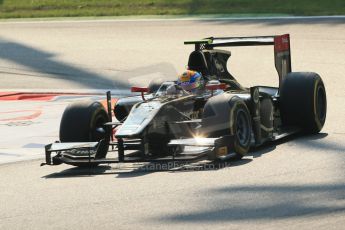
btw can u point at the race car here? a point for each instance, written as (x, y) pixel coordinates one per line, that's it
(223, 122)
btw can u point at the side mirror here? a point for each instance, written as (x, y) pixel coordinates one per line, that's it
(141, 90)
(136, 89)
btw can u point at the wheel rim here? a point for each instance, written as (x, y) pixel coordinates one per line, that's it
(242, 128)
(321, 103)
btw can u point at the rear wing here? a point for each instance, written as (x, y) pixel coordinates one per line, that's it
(281, 43)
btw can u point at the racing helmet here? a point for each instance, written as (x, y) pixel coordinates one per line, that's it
(190, 81)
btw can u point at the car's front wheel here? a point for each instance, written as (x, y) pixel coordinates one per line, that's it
(84, 122)
(228, 115)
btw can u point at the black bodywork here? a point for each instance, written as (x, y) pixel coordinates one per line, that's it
(158, 127)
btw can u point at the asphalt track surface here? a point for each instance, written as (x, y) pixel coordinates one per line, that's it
(296, 183)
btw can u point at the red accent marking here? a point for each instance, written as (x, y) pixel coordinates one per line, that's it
(136, 89)
(215, 87)
(34, 114)
(282, 43)
(114, 133)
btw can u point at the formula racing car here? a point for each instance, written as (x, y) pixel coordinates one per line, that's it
(223, 122)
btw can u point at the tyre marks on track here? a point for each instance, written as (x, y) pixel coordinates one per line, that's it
(20, 115)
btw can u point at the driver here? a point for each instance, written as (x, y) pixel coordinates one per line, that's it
(191, 81)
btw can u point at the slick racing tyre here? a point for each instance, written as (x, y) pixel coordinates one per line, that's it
(228, 115)
(240, 126)
(303, 101)
(83, 122)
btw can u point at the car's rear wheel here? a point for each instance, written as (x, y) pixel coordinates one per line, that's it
(303, 101)
(84, 122)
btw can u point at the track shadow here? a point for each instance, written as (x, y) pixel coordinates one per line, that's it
(266, 202)
(79, 172)
(272, 202)
(43, 62)
(299, 138)
(316, 142)
(121, 170)
(127, 170)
